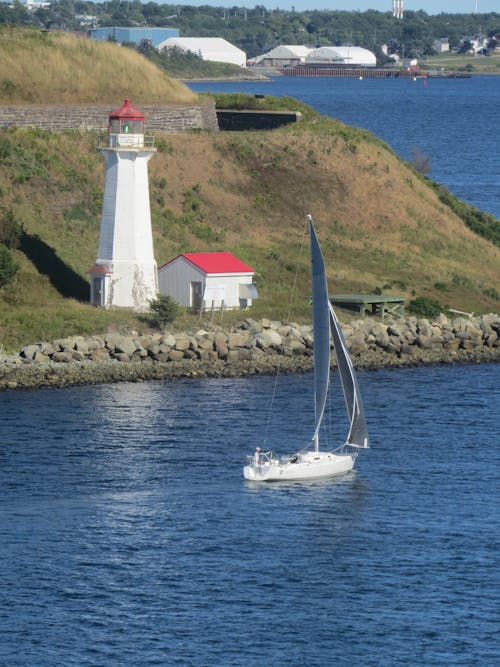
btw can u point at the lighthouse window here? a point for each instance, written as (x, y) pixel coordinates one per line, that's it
(137, 126)
(115, 126)
(126, 127)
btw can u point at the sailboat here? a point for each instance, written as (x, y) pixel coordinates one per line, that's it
(312, 462)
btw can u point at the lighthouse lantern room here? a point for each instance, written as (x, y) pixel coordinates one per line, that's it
(125, 273)
(126, 127)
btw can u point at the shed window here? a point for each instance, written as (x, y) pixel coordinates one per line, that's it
(248, 291)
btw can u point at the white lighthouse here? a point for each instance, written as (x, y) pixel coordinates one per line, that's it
(125, 273)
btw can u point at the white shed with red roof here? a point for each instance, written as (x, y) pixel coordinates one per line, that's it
(208, 280)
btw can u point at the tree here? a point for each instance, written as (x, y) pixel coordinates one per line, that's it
(466, 46)
(10, 230)
(163, 310)
(420, 161)
(424, 306)
(8, 267)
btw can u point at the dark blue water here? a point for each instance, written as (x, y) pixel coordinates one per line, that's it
(453, 121)
(128, 536)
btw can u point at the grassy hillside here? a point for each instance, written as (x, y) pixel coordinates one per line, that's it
(464, 62)
(41, 67)
(381, 225)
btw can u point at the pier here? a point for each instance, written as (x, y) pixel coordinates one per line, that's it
(348, 72)
(372, 304)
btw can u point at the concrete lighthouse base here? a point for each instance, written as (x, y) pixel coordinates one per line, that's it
(125, 284)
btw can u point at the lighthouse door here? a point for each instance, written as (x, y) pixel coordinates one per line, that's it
(98, 290)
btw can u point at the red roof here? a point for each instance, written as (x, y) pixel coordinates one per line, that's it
(99, 268)
(127, 111)
(216, 262)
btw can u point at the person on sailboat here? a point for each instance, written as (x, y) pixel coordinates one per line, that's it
(257, 456)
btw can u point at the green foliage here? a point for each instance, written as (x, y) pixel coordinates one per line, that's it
(8, 267)
(425, 307)
(420, 161)
(7, 86)
(192, 218)
(480, 223)
(188, 65)
(492, 293)
(264, 103)
(23, 162)
(163, 146)
(164, 310)
(10, 229)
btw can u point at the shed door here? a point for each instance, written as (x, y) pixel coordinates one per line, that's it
(196, 295)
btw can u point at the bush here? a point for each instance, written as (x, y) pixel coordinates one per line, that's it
(163, 310)
(420, 161)
(426, 307)
(8, 267)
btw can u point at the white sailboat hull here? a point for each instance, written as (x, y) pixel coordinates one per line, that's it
(309, 465)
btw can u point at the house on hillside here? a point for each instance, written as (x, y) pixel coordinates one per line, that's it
(33, 5)
(204, 280)
(475, 45)
(441, 45)
(214, 49)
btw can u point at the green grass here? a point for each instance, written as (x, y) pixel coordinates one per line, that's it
(461, 62)
(181, 65)
(483, 224)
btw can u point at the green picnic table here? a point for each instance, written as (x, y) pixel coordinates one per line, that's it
(373, 304)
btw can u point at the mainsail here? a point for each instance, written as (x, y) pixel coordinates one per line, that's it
(324, 322)
(321, 328)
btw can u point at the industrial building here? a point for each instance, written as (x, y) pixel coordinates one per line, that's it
(208, 48)
(286, 55)
(293, 56)
(133, 35)
(341, 55)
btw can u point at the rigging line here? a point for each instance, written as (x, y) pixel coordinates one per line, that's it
(288, 316)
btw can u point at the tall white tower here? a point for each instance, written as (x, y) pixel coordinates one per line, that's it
(397, 9)
(125, 273)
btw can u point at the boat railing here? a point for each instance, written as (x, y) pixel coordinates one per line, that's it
(265, 459)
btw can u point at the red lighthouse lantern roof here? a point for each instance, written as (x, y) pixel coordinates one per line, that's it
(127, 111)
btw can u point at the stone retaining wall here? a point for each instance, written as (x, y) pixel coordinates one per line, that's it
(159, 117)
(251, 347)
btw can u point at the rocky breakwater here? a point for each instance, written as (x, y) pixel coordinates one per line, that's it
(249, 348)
